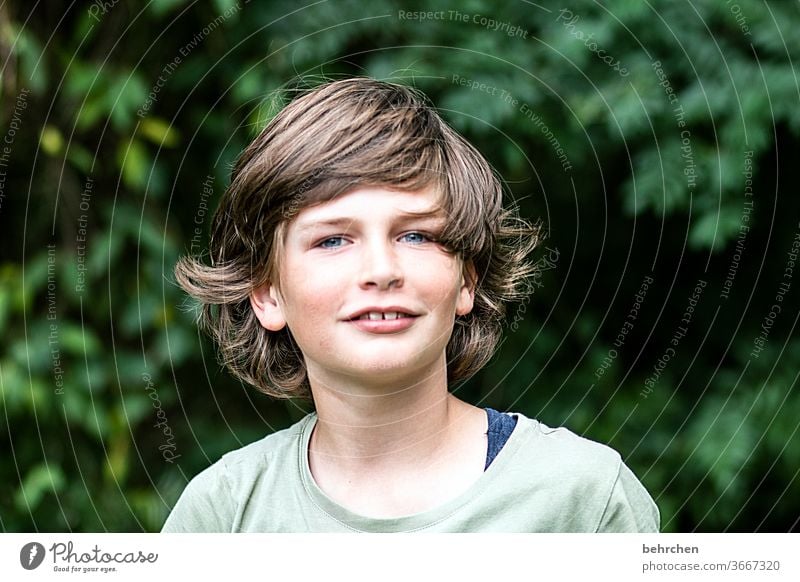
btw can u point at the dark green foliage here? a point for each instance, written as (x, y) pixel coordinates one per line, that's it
(121, 116)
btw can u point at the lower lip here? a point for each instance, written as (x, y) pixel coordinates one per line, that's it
(383, 325)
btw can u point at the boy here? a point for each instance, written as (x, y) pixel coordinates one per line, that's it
(362, 260)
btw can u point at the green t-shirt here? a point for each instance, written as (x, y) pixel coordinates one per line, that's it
(543, 480)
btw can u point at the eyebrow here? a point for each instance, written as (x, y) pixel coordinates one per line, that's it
(405, 216)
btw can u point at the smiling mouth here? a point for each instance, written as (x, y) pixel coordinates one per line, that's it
(378, 316)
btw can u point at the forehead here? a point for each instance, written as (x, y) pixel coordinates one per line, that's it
(372, 204)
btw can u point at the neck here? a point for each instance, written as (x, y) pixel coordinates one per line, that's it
(396, 425)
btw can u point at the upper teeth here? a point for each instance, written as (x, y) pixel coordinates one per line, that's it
(379, 315)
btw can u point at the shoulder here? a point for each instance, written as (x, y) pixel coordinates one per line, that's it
(251, 459)
(574, 456)
(213, 499)
(588, 479)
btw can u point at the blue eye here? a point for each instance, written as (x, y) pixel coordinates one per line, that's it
(324, 246)
(427, 238)
(423, 238)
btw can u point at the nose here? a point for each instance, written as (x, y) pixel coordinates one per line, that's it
(380, 266)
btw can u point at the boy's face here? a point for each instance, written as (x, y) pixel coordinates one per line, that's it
(375, 257)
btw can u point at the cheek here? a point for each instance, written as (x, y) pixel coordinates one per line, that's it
(442, 286)
(313, 299)
(304, 316)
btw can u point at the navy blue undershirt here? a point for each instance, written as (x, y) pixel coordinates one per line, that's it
(501, 426)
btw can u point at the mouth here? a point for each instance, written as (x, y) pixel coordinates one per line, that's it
(383, 322)
(382, 316)
(381, 313)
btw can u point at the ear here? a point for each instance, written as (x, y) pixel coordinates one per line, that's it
(266, 304)
(466, 296)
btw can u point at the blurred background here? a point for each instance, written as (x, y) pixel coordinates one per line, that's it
(658, 142)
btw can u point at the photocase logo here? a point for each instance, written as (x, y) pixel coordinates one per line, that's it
(31, 555)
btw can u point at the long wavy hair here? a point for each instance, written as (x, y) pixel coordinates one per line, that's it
(330, 140)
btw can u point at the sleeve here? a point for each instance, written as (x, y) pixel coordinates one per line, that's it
(630, 507)
(205, 506)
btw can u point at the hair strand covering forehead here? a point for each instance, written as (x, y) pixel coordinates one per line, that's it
(335, 138)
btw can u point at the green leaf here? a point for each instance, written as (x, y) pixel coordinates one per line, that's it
(78, 340)
(42, 479)
(51, 140)
(714, 229)
(159, 132)
(135, 163)
(32, 65)
(79, 157)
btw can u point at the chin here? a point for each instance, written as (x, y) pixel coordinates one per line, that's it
(394, 363)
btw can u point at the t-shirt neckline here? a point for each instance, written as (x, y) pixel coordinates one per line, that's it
(416, 521)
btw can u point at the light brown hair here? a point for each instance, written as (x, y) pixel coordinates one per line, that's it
(337, 137)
